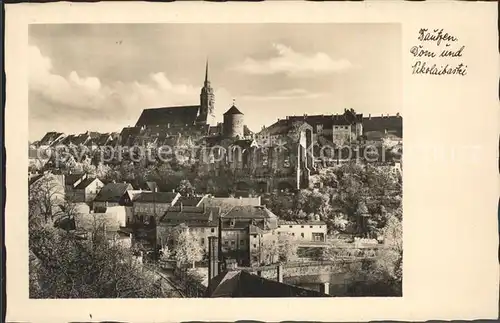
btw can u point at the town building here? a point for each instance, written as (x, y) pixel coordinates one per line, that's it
(303, 230)
(149, 204)
(112, 194)
(81, 188)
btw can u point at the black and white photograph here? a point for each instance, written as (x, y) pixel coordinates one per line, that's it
(213, 160)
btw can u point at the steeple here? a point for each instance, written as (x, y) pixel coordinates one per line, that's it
(207, 100)
(206, 72)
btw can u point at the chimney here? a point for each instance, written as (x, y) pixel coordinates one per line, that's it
(369, 116)
(219, 246)
(180, 207)
(204, 207)
(213, 259)
(324, 288)
(279, 273)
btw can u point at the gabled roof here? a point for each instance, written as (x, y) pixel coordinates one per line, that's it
(169, 115)
(86, 182)
(243, 284)
(112, 192)
(128, 135)
(71, 179)
(50, 137)
(192, 215)
(189, 200)
(158, 197)
(233, 110)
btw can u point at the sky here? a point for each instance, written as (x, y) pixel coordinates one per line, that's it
(99, 77)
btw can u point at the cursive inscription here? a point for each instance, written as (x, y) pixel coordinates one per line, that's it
(438, 53)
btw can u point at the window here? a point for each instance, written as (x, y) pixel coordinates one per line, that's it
(310, 226)
(254, 245)
(279, 226)
(212, 230)
(202, 241)
(254, 235)
(290, 226)
(302, 234)
(225, 242)
(302, 226)
(242, 242)
(293, 233)
(232, 242)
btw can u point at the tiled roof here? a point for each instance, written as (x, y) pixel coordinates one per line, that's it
(70, 179)
(247, 131)
(243, 284)
(192, 215)
(49, 138)
(112, 192)
(233, 110)
(189, 200)
(158, 197)
(86, 182)
(169, 115)
(128, 135)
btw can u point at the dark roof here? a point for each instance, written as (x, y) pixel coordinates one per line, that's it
(112, 192)
(189, 200)
(86, 182)
(49, 138)
(192, 215)
(247, 131)
(169, 115)
(158, 197)
(233, 110)
(70, 179)
(128, 135)
(392, 124)
(244, 284)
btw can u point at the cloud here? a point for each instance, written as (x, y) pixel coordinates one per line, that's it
(287, 94)
(80, 98)
(293, 63)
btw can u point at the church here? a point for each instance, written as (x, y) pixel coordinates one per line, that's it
(162, 126)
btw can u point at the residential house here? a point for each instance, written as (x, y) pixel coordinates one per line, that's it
(87, 189)
(112, 194)
(202, 222)
(304, 230)
(147, 204)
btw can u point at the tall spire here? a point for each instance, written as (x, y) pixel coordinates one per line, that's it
(206, 72)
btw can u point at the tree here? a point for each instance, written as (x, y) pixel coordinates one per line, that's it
(185, 188)
(44, 196)
(287, 247)
(65, 266)
(187, 249)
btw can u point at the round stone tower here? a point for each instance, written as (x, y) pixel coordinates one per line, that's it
(233, 123)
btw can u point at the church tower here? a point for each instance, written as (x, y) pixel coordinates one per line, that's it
(207, 100)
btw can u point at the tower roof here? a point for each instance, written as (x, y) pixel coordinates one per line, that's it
(233, 110)
(206, 72)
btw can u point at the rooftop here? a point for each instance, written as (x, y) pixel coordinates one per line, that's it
(158, 197)
(243, 284)
(112, 192)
